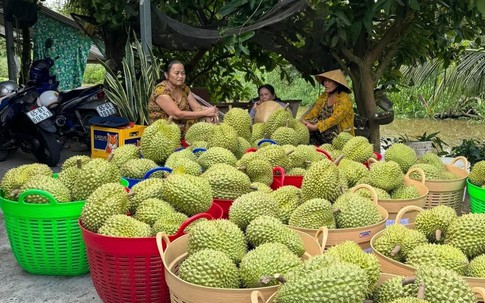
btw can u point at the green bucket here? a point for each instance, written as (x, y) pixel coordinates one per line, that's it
(477, 198)
(45, 238)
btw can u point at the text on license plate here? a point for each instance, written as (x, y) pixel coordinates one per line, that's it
(106, 109)
(39, 114)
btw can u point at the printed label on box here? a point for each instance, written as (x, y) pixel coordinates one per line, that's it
(364, 234)
(106, 141)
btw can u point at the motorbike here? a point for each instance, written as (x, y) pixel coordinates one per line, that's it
(72, 109)
(25, 125)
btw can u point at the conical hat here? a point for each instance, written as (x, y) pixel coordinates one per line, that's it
(334, 75)
(264, 110)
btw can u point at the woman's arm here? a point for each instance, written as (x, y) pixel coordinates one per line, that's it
(341, 109)
(170, 107)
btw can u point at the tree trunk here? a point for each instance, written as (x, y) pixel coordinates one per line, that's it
(114, 43)
(25, 60)
(363, 85)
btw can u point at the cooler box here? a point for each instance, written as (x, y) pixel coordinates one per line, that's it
(105, 139)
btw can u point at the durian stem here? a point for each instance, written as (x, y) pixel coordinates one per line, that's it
(335, 211)
(368, 301)
(421, 291)
(339, 158)
(408, 280)
(280, 278)
(242, 168)
(110, 156)
(131, 193)
(438, 234)
(170, 119)
(14, 193)
(396, 250)
(79, 163)
(252, 187)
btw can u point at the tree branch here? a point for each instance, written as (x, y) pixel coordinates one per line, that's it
(210, 65)
(389, 36)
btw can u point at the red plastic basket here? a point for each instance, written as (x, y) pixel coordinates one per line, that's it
(225, 205)
(130, 269)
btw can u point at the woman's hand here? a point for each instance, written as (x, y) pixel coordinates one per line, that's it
(311, 127)
(210, 111)
(257, 103)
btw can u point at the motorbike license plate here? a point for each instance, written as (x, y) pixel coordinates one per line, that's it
(106, 109)
(39, 114)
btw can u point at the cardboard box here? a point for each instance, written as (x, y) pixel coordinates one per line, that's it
(106, 139)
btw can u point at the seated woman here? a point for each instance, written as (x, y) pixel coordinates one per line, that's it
(266, 92)
(332, 113)
(172, 97)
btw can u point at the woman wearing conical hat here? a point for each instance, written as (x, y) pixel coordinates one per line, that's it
(333, 112)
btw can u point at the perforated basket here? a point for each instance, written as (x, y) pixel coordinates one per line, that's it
(45, 238)
(393, 206)
(130, 269)
(448, 192)
(392, 266)
(360, 235)
(477, 197)
(184, 292)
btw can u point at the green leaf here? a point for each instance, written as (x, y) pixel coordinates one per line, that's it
(355, 30)
(414, 4)
(334, 41)
(231, 7)
(246, 36)
(243, 49)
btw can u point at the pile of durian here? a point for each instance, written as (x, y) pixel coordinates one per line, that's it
(440, 239)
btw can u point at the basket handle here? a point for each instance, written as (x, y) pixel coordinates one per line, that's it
(465, 161)
(419, 170)
(323, 231)
(160, 168)
(267, 141)
(183, 226)
(43, 193)
(322, 151)
(160, 238)
(279, 174)
(479, 291)
(257, 297)
(199, 149)
(370, 188)
(404, 210)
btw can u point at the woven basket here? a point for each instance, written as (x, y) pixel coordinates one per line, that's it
(130, 269)
(45, 238)
(184, 292)
(258, 297)
(394, 206)
(448, 192)
(360, 235)
(391, 266)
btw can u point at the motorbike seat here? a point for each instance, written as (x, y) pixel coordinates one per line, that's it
(74, 93)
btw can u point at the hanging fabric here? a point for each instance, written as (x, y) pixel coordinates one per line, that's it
(69, 44)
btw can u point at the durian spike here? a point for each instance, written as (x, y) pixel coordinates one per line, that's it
(421, 291)
(338, 159)
(437, 234)
(396, 250)
(408, 280)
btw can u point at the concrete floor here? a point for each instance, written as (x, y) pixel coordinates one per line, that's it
(16, 284)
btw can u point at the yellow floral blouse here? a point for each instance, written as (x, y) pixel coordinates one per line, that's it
(342, 117)
(155, 112)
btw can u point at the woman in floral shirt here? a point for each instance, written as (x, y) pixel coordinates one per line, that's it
(333, 112)
(173, 98)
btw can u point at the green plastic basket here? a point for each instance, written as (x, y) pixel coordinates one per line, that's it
(45, 238)
(477, 198)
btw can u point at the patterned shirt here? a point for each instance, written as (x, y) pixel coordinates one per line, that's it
(342, 116)
(155, 112)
